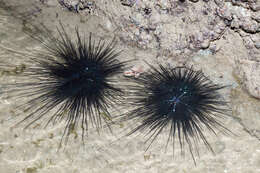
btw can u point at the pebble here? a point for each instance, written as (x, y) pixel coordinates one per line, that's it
(205, 44)
(194, 1)
(257, 45)
(250, 26)
(255, 6)
(256, 17)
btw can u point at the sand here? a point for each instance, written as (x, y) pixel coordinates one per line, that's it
(172, 36)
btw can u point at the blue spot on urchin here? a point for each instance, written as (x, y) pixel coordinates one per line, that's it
(180, 98)
(72, 81)
(176, 100)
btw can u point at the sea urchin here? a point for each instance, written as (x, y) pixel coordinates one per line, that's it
(180, 98)
(71, 80)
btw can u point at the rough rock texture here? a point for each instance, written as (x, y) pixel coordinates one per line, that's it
(179, 28)
(219, 37)
(249, 72)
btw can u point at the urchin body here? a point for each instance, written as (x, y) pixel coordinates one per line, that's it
(71, 80)
(182, 98)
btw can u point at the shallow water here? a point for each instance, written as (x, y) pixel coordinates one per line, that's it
(35, 149)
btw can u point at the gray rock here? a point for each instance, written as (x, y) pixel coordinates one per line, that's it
(255, 6)
(249, 71)
(205, 44)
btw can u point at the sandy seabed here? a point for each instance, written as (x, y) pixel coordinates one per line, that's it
(35, 150)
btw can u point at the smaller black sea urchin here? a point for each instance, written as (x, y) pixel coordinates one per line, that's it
(182, 99)
(71, 80)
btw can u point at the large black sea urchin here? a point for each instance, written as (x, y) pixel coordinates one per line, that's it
(182, 99)
(71, 80)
